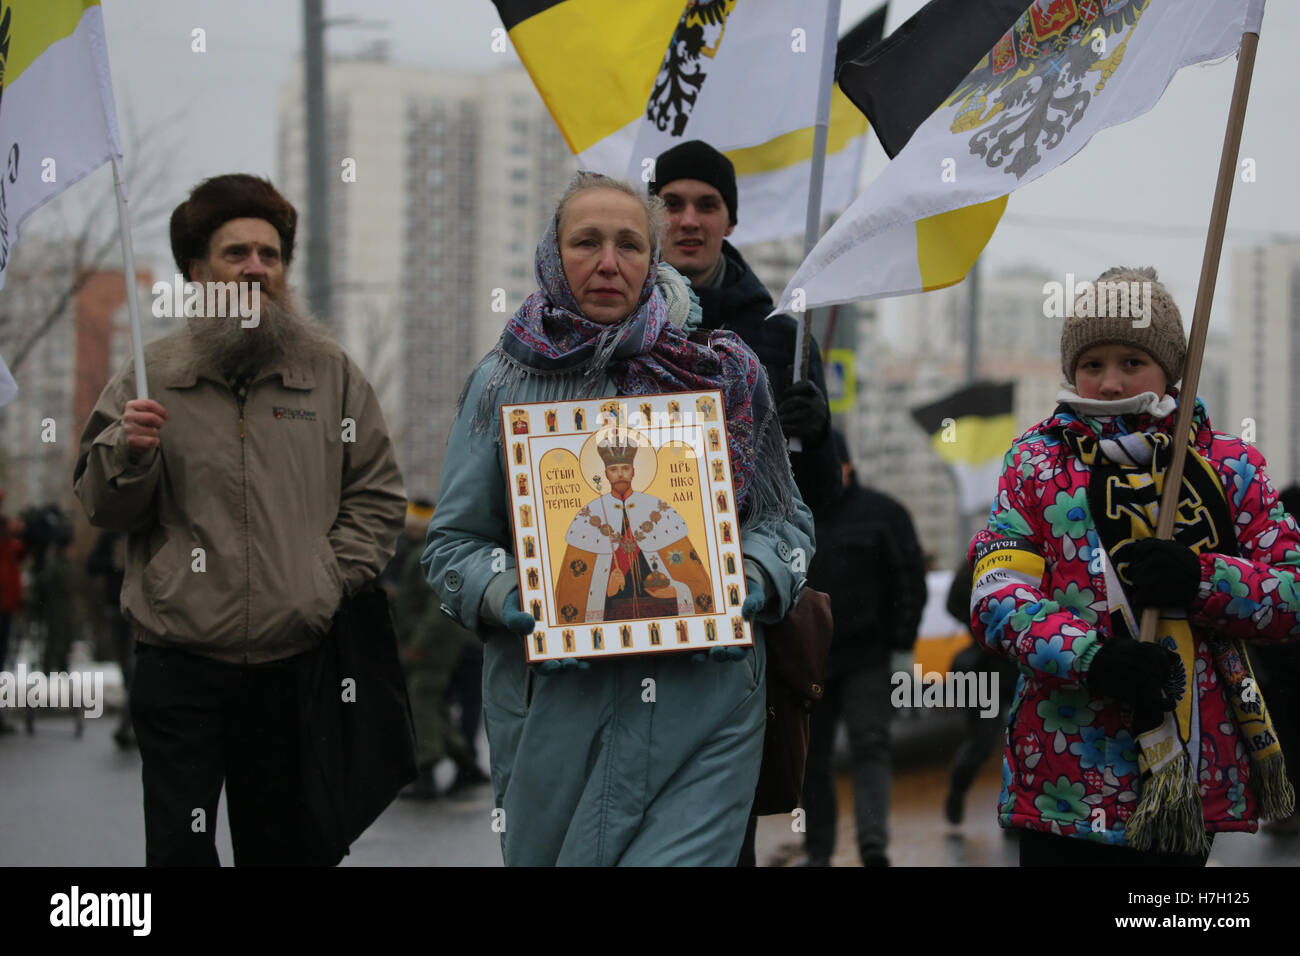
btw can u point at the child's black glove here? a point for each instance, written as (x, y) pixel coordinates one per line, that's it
(1162, 573)
(1132, 672)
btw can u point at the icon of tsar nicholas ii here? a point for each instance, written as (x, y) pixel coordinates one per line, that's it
(628, 554)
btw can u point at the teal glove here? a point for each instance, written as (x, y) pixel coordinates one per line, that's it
(564, 664)
(720, 654)
(514, 618)
(755, 601)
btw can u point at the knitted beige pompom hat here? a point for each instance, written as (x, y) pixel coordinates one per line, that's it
(1092, 324)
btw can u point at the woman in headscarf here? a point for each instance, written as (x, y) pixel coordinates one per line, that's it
(1118, 752)
(643, 760)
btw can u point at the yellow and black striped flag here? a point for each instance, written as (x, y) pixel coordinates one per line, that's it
(971, 430)
(626, 81)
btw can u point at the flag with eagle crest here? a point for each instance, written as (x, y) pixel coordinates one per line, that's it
(1061, 72)
(626, 81)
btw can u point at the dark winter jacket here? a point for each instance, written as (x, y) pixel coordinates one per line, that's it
(741, 304)
(869, 562)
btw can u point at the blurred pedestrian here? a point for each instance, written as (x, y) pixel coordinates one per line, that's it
(107, 560)
(585, 768)
(870, 563)
(58, 587)
(12, 551)
(1068, 562)
(430, 647)
(698, 186)
(258, 487)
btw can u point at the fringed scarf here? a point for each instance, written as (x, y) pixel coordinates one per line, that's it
(1127, 479)
(550, 341)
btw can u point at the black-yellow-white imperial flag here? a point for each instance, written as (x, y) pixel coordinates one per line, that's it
(971, 430)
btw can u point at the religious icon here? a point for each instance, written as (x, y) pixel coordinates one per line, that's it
(611, 413)
(628, 554)
(610, 528)
(738, 628)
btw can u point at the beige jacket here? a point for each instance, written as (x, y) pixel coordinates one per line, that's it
(245, 530)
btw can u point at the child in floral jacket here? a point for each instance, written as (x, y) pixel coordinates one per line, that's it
(1067, 563)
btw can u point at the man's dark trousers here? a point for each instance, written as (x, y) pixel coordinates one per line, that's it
(200, 722)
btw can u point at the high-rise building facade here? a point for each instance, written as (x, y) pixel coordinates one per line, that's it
(1264, 384)
(441, 184)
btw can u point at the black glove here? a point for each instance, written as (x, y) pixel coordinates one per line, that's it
(804, 413)
(1133, 672)
(1162, 573)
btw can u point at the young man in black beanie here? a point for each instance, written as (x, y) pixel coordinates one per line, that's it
(698, 185)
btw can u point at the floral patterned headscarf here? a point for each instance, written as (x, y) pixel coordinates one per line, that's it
(550, 340)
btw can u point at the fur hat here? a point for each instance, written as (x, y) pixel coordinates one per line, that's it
(696, 159)
(220, 199)
(1092, 324)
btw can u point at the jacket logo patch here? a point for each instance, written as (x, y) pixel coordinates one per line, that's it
(294, 414)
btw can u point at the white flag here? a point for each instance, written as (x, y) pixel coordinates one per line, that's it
(1060, 75)
(57, 121)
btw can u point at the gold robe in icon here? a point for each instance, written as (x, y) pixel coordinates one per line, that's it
(643, 541)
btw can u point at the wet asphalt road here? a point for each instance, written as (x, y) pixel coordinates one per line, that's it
(75, 802)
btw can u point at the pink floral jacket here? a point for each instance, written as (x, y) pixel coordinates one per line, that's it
(1070, 758)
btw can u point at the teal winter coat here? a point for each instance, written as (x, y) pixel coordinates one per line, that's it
(643, 760)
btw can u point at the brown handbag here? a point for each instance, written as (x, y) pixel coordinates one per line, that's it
(797, 647)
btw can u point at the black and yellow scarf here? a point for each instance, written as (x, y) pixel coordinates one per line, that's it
(1124, 490)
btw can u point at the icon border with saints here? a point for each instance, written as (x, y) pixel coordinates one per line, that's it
(626, 535)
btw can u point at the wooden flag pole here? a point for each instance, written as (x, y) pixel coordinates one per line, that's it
(1204, 298)
(128, 267)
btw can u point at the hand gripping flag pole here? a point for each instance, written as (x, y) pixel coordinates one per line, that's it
(132, 296)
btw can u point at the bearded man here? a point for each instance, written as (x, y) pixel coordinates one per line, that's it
(258, 488)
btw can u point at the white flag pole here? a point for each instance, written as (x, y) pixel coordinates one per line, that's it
(813, 220)
(128, 267)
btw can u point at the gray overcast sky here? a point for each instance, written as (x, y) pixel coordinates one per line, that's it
(1157, 170)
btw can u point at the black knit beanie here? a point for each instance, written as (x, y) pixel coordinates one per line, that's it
(698, 160)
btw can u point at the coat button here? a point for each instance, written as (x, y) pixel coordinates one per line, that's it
(452, 580)
(817, 688)
(783, 549)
